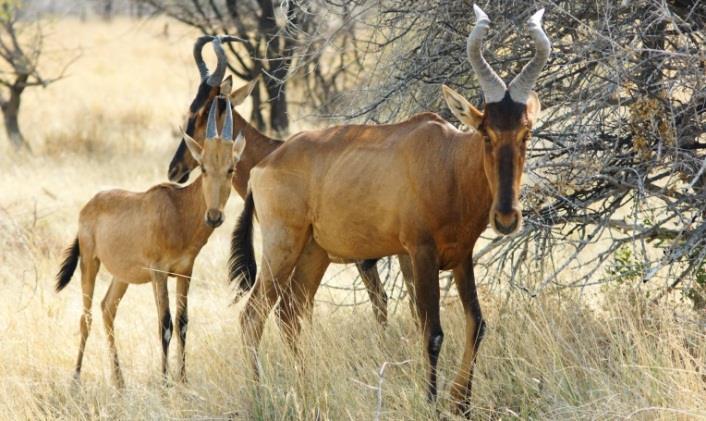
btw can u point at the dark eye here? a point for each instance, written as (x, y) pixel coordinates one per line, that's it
(230, 171)
(487, 141)
(203, 170)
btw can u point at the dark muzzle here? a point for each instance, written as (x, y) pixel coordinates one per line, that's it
(506, 223)
(214, 218)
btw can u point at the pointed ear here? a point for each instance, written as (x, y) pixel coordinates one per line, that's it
(533, 107)
(227, 85)
(238, 147)
(193, 146)
(461, 108)
(242, 93)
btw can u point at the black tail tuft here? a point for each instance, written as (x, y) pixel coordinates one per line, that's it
(68, 266)
(242, 255)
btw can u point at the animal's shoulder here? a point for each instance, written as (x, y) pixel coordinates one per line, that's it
(104, 197)
(164, 197)
(430, 121)
(166, 189)
(427, 117)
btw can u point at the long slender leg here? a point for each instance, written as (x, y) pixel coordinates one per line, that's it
(182, 321)
(371, 278)
(408, 275)
(426, 284)
(282, 246)
(252, 319)
(164, 317)
(299, 296)
(466, 285)
(89, 270)
(109, 305)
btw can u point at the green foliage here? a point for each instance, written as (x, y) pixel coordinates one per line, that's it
(625, 266)
(8, 8)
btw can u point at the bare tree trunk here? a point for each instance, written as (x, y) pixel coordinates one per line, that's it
(137, 8)
(107, 9)
(11, 111)
(654, 41)
(256, 112)
(277, 92)
(20, 66)
(278, 55)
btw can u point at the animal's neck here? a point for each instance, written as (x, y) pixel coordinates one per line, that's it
(192, 208)
(257, 147)
(474, 186)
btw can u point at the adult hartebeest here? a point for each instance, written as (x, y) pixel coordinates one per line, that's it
(258, 147)
(419, 187)
(146, 237)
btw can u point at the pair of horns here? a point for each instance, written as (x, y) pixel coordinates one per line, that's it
(211, 129)
(216, 77)
(492, 86)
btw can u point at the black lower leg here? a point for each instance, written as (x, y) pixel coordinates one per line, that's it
(426, 286)
(182, 325)
(480, 331)
(183, 322)
(166, 337)
(378, 298)
(434, 349)
(478, 336)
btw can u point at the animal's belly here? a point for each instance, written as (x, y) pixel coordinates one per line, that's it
(356, 222)
(127, 271)
(137, 272)
(132, 262)
(339, 259)
(348, 242)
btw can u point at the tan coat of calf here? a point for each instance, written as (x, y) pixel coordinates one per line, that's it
(149, 236)
(134, 234)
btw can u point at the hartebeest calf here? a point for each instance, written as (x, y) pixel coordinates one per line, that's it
(419, 187)
(146, 237)
(258, 147)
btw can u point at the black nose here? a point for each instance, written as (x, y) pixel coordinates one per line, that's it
(214, 218)
(506, 229)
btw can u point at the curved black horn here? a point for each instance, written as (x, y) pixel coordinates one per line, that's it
(217, 76)
(211, 131)
(230, 38)
(198, 55)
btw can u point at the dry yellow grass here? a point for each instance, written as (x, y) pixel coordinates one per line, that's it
(110, 124)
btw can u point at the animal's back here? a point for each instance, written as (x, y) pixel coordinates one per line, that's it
(355, 147)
